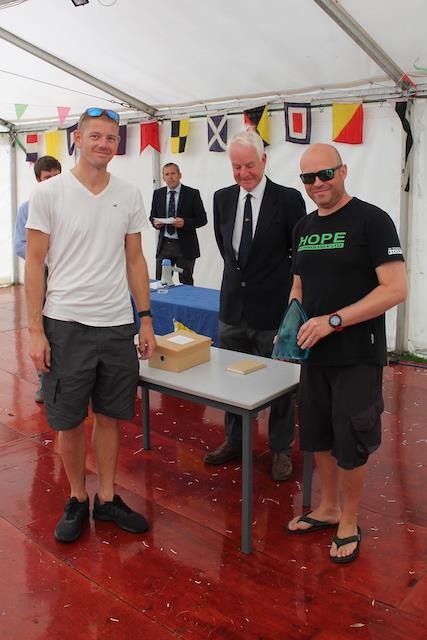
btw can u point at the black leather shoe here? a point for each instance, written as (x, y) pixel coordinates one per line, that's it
(69, 527)
(117, 511)
(224, 453)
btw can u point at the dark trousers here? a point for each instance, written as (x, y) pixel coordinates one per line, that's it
(281, 425)
(171, 249)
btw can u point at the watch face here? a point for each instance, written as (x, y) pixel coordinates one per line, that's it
(335, 321)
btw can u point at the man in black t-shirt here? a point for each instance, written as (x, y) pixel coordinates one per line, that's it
(348, 270)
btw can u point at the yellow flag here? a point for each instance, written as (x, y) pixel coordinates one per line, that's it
(53, 143)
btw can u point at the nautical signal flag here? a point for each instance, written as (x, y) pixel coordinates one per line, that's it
(347, 123)
(401, 107)
(53, 143)
(70, 138)
(258, 118)
(217, 132)
(149, 136)
(32, 147)
(121, 149)
(179, 133)
(297, 122)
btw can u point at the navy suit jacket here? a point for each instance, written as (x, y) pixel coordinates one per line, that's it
(258, 293)
(191, 209)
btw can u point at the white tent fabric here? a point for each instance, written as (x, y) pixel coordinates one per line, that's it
(167, 54)
(191, 57)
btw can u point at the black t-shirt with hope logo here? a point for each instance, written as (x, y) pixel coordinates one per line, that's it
(336, 256)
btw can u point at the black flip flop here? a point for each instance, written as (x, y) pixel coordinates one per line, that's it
(316, 525)
(340, 542)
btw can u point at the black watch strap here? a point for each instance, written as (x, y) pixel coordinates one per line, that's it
(144, 314)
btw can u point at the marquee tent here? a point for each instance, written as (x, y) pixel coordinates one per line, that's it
(188, 59)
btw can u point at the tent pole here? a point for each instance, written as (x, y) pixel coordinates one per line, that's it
(13, 209)
(362, 38)
(155, 160)
(77, 73)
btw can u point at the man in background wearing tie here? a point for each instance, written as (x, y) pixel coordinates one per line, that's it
(253, 222)
(178, 240)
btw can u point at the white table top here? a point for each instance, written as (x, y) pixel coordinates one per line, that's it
(210, 380)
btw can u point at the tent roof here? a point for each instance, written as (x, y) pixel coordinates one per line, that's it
(180, 55)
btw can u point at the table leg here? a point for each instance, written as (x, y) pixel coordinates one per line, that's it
(247, 483)
(307, 478)
(145, 414)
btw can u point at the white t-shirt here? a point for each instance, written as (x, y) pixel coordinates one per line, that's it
(87, 280)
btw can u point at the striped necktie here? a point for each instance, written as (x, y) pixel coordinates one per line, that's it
(171, 212)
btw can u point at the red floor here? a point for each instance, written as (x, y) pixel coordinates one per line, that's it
(186, 578)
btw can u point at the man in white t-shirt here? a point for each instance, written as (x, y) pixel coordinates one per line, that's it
(88, 223)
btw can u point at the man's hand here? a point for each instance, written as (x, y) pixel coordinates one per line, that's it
(147, 341)
(40, 350)
(313, 330)
(178, 223)
(158, 225)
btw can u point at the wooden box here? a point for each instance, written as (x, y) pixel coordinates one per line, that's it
(180, 350)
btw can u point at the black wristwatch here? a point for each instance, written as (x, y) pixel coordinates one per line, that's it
(145, 314)
(335, 321)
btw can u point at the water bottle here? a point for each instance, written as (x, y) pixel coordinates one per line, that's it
(166, 277)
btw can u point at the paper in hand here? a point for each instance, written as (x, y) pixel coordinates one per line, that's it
(170, 220)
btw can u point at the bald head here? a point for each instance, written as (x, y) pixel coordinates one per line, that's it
(327, 191)
(319, 152)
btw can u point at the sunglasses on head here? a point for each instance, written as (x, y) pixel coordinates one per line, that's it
(324, 175)
(95, 112)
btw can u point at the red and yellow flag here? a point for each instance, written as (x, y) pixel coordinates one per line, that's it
(347, 123)
(258, 118)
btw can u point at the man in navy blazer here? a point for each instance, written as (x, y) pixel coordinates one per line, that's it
(178, 239)
(254, 220)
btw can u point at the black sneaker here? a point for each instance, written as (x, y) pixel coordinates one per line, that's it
(69, 527)
(117, 511)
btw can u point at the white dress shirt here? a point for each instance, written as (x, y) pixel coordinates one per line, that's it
(257, 196)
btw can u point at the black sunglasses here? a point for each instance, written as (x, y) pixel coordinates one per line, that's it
(324, 175)
(95, 112)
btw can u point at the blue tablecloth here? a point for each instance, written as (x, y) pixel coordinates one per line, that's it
(196, 307)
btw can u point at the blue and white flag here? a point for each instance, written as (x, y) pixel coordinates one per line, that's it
(217, 132)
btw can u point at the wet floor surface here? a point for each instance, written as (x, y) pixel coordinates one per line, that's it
(186, 578)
